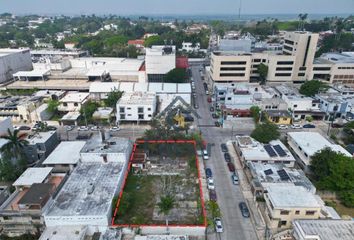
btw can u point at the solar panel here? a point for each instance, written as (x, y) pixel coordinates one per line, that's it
(279, 150)
(268, 172)
(270, 150)
(283, 175)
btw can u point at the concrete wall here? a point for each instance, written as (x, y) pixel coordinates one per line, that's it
(5, 125)
(14, 62)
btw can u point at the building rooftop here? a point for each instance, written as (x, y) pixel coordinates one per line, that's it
(39, 137)
(162, 237)
(110, 145)
(326, 229)
(338, 57)
(38, 194)
(9, 51)
(33, 175)
(291, 197)
(160, 50)
(137, 98)
(65, 153)
(64, 232)
(278, 113)
(88, 191)
(312, 142)
(71, 116)
(77, 97)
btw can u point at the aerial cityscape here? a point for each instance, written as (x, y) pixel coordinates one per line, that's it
(177, 120)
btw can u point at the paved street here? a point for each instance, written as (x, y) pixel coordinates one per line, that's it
(229, 195)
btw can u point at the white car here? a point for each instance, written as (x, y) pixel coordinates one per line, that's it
(83, 128)
(69, 128)
(114, 129)
(205, 155)
(218, 225)
(283, 127)
(210, 184)
(94, 128)
(296, 126)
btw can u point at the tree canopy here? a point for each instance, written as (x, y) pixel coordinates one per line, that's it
(88, 109)
(255, 113)
(334, 172)
(263, 72)
(265, 132)
(313, 87)
(177, 75)
(153, 40)
(113, 98)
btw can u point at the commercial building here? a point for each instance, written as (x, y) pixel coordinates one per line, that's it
(325, 229)
(287, 203)
(235, 45)
(12, 61)
(190, 47)
(43, 53)
(65, 156)
(22, 211)
(335, 105)
(136, 106)
(40, 145)
(250, 150)
(159, 60)
(306, 144)
(72, 101)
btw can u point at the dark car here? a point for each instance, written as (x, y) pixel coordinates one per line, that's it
(212, 109)
(51, 128)
(217, 124)
(24, 128)
(188, 118)
(224, 147)
(244, 209)
(231, 167)
(214, 115)
(227, 157)
(309, 126)
(337, 125)
(212, 195)
(208, 173)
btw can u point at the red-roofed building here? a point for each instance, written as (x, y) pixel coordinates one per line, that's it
(138, 43)
(182, 62)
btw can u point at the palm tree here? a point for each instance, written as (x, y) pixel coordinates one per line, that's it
(15, 145)
(166, 203)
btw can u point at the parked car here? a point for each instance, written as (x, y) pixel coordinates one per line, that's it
(231, 167)
(309, 126)
(212, 195)
(337, 125)
(210, 184)
(94, 128)
(244, 209)
(234, 179)
(188, 118)
(83, 128)
(205, 155)
(211, 109)
(214, 115)
(283, 127)
(114, 129)
(217, 124)
(207, 92)
(296, 126)
(218, 225)
(227, 157)
(23, 128)
(209, 99)
(69, 128)
(52, 128)
(224, 147)
(208, 173)
(196, 106)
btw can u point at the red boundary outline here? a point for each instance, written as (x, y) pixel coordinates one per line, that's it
(126, 176)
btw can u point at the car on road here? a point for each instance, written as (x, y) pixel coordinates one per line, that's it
(23, 128)
(196, 106)
(224, 147)
(227, 157)
(231, 167)
(209, 99)
(244, 209)
(208, 173)
(218, 225)
(296, 126)
(69, 128)
(212, 195)
(309, 126)
(210, 184)
(234, 179)
(283, 127)
(217, 124)
(52, 128)
(214, 115)
(114, 129)
(207, 92)
(83, 128)
(211, 109)
(188, 118)
(205, 155)
(94, 128)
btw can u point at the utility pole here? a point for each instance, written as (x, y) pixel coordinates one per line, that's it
(239, 10)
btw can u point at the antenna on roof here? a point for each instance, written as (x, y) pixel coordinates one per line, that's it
(239, 10)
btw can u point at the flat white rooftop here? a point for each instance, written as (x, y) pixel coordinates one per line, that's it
(39, 72)
(88, 191)
(325, 229)
(137, 98)
(66, 153)
(33, 175)
(291, 197)
(9, 51)
(39, 137)
(312, 142)
(64, 233)
(77, 97)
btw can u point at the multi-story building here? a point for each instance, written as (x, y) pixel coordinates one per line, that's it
(287, 203)
(159, 60)
(306, 144)
(72, 101)
(40, 145)
(136, 106)
(335, 105)
(190, 47)
(12, 61)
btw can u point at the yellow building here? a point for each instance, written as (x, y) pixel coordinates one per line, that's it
(278, 116)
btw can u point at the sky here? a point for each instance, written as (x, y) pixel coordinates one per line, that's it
(181, 7)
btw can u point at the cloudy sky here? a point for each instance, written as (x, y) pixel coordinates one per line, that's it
(176, 6)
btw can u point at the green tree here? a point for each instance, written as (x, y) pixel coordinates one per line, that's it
(113, 98)
(15, 145)
(177, 75)
(166, 204)
(58, 44)
(313, 87)
(153, 40)
(53, 106)
(265, 132)
(263, 72)
(88, 109)
(255, 113)
(8, 170)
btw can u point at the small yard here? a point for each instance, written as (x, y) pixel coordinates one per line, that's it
(167, 179)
